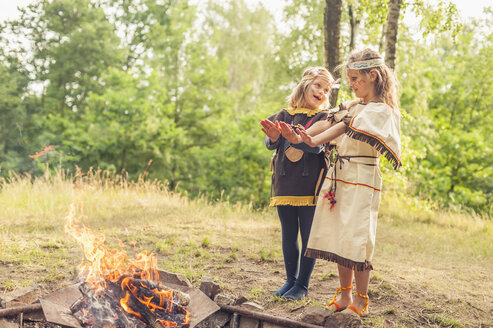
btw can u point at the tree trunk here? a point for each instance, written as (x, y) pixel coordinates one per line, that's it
(392, 26)
(382, 39)
(354, 21)
(332, 40)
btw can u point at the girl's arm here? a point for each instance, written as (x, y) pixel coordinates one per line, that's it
(318, 127)
(308, 149)
(323, 137)
(321, 126)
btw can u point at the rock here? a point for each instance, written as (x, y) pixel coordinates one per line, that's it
(209, 287)
(342, 320)
(202, 324)
(23, 296)
(174, 278)
(7, 324)
(316, 315)
(252, 306)
(240, 300)
(235, 320)
(266, 324)
(246, 322)
(218, 320)
(223, 299)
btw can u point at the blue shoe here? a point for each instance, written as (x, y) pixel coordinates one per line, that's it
(295, 293)
(281, 291)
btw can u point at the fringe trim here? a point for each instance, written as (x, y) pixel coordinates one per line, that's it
(294, 200)
(381, 147)
(307, 111)
(350, 264)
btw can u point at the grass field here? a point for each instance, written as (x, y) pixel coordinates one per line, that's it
(432, 268)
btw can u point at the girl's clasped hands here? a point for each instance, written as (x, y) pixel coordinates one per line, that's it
(295, 138)
(274, 130)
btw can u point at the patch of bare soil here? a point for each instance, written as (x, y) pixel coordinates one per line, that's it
(397, 299)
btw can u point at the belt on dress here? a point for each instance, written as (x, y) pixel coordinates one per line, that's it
(334, 159)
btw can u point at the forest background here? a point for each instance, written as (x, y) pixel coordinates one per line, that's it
(174, 91)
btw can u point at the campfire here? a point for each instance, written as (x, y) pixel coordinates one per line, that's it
(121, 292)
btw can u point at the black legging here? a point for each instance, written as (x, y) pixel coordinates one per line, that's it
(294, 219)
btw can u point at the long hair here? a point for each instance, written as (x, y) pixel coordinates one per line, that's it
(297, 98)
(386, 84)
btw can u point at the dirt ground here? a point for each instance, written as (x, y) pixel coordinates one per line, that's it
(395, 300)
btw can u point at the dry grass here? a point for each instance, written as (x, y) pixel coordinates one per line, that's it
(433, 268)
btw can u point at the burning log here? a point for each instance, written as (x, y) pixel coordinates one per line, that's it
(131, 303)
(180, 297)
(141, 311)
(103, 309)
(119, 292)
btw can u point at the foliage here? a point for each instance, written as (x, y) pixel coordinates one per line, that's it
(70, 44)
(446, 123)
(244, 38)
(13, 113)
(456, 162)
(175, 91)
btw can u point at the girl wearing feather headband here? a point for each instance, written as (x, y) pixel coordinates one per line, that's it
(345, 220)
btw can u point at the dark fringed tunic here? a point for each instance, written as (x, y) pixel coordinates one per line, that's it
(297, 169)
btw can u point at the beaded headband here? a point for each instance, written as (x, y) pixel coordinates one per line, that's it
(365, 64)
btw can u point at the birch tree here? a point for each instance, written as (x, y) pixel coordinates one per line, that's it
(332, 41)
(392, 26)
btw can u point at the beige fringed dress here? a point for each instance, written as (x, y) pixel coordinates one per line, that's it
(345, 221)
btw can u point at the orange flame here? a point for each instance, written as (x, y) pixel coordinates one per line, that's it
(168, 323)
(124, 304)
(105, 264)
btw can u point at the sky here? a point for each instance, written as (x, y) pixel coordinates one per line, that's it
(467, 8)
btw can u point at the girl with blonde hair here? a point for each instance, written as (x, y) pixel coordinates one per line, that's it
(345, 218)
(297, 173)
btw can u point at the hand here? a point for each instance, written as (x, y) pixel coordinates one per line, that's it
(271, 130)
(289, 134)
(350, 103)
(306, 138)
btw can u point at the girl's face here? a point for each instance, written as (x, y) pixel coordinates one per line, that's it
(317, 93)
(362, 84)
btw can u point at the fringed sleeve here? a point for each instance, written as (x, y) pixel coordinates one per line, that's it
(378, 125)
(336, 114)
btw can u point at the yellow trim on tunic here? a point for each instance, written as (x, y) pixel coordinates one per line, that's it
(294, 200)
(309, 112)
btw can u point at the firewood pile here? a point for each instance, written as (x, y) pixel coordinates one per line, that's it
(140, 304)
(208, 307)
(130, 302)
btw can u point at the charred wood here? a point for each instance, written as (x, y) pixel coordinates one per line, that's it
(136, 303)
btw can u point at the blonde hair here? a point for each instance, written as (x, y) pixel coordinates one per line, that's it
(297, 98)
(386, 83)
